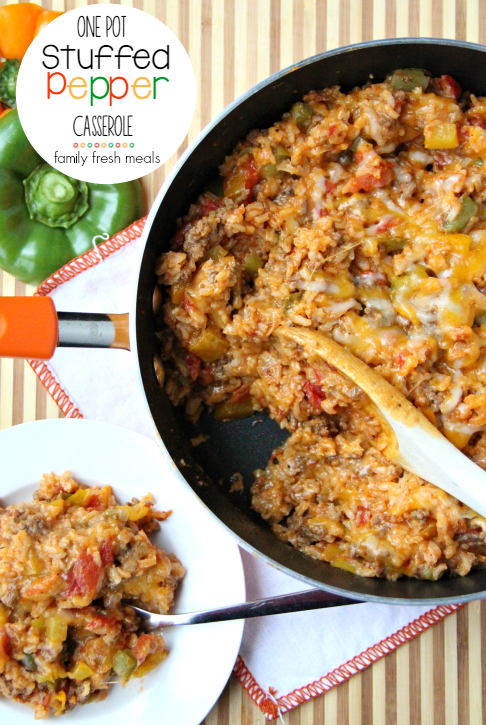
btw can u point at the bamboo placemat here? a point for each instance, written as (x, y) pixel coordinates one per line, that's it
(440, 677)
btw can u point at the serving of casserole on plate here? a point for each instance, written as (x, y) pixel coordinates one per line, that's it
(69, 554)
(360, 215)
(67, 559)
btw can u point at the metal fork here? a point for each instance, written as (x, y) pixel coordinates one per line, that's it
(297, 602)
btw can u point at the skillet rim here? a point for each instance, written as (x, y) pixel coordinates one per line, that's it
(353, 597)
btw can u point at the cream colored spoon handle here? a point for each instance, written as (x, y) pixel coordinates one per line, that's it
(416, 445)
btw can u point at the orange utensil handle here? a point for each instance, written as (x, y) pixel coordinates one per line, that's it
(31, 328)
(28, 327)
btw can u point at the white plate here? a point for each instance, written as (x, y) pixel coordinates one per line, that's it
(182, 690)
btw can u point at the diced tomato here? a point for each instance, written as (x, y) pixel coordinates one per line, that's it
(367, 182)
(102, 625)
(327, 188)
(372, 275)
(106, 553)
(400, 360)
(87, 577)
(179, 235)
(189, 305)
(252, 173)
(194, 365)
(206, 204)
(450, 87)
(43, 588)
(399, 103)
(241, 394)
(439, 160)
(206, 375)
(363, 515)
(315, 394)
(243, 177)
(97, 501)
(387, 222)
(145, 646)
(476, 119)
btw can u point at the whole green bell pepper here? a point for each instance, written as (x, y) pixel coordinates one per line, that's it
(48, 218)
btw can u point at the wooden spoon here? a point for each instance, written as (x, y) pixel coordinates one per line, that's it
(415, 444)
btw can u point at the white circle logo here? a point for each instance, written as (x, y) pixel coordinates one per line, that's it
(106, 93)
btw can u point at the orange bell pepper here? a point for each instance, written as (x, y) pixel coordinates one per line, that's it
(20, 23)
(46, 17)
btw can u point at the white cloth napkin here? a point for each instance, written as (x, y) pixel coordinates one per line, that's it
(285, 659)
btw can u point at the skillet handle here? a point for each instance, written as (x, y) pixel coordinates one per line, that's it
(31, 328)
(28, 327)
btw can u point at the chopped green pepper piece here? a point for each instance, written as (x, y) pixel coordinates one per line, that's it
(468, 210)
(394, 245)
(269, 171)
(280, 153)
(291, 300)
(124, 663)
(253, 263)
(234, 411)
(209, 346)
(8, 82)
(28, 662)
(215, 253)
(52, 686)
(478, 162)
(407, 79)
(409, 281)
(216, 187)
(81, 671)
(357, 141)
(346, 157)
(302, 114)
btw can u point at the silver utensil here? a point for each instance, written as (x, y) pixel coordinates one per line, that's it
(297, 602)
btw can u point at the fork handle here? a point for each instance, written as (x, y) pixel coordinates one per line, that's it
(297, 602)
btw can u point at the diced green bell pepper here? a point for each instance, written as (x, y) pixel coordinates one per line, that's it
(28, 662)
(468, 209)
(234, 411)
(280, 153)
(124, 664)
(394, 244)
(407, 79)
(290, 300)
(302, 114)
(253, 264)
(269, 171)
(346, 157)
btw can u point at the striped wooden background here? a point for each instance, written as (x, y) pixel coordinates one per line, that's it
(439, 678)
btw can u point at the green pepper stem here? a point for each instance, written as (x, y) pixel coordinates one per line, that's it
(57, 188)
(55, 199)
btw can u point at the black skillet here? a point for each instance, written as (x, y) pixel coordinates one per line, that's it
(247, 444)
(241, 446)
